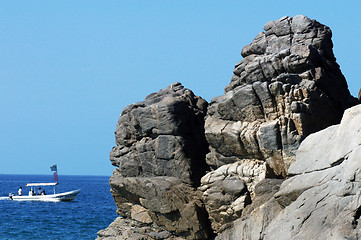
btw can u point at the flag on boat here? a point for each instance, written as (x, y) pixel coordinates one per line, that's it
(55, 176)
(53, 168)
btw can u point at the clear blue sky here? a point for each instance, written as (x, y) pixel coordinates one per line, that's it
(68, 68)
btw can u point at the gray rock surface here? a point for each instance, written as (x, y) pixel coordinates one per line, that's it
(287, 86)
(162, 136)
(320, 201)
(229, 189)
(127, 229)
(257, 216)
(189, 170)
(252, 226)
(325, 199)
(160, 158)
(165, 201)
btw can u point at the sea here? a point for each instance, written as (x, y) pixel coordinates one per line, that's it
(93, 209)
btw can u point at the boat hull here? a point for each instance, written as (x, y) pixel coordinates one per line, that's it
(67, 196)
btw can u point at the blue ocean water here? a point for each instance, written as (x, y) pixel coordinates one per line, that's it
(93, 209)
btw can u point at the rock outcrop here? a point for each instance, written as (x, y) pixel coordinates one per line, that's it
(127, 229)
(187, 169)
(162, 136)
(287, 86)
(160, 158)
(322, 198)
(228, 190)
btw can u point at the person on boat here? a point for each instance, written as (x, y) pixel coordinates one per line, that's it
(43, 192)
(20, 191)
(39, 191)
(31, 192)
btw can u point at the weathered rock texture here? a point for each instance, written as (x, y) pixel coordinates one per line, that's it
(229, 189)
(162, 136)
(287, 86)
(186, 170)
(127, 229)
(160, 154)
(322, 198)
(256, 216)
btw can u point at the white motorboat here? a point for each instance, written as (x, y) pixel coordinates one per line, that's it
(55, 197)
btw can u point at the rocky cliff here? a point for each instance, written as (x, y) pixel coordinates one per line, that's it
(321, 197)
(186, 169)
(287, 86)
(159, 157)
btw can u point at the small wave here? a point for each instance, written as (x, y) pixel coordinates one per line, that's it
(4, 198)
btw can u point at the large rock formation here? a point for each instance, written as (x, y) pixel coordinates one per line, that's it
(162, 136)
(287, 86)
(160, 157)
(189, 170)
